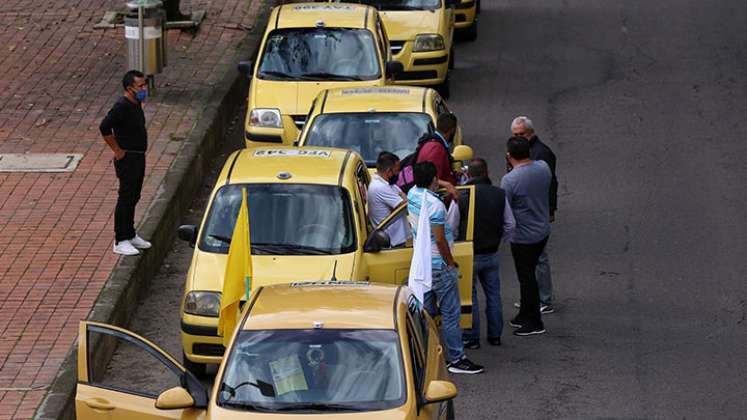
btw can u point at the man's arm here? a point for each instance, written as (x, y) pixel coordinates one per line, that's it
(509, 222)
(106, 128)
(549, 158)
(439, 234)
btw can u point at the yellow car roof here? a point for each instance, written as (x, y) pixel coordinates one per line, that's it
(278, 164)
(334, 304)
(309, 15)
(376, 99)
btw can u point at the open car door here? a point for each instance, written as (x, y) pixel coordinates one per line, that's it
(392, 265)
(140, 382)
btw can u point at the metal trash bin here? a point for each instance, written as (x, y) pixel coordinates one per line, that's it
(154, 46)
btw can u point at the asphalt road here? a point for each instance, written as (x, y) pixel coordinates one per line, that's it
(643, 102)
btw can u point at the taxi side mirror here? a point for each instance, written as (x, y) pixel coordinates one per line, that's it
(462, 153)
(174, 398)
(393, 69)
(245, 68)
(377, 241)
(187, 233)
(439, 391)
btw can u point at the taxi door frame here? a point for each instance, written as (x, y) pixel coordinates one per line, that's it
(92, 401)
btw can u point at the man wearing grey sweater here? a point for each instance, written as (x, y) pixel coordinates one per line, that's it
(527, 189)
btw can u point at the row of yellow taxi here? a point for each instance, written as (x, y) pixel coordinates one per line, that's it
(330, 80)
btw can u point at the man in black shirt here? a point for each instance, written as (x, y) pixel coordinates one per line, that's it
(124, 131)
(494, 222)
(522, 127)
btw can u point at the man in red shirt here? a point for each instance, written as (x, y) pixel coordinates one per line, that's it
(436, 149)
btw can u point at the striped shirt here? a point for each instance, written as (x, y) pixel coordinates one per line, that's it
(437, 216)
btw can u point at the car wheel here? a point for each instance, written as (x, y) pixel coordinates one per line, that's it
(444, 89)
(450, 410)
(470, 33)
(198, 369)
(451, 58)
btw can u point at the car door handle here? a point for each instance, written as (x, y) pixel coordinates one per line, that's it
(99, 404)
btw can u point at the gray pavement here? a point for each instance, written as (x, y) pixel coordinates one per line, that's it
(643, 104)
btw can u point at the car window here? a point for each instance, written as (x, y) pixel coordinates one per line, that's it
(382, 43)
(370, 133)
(419, 320)
(284, 219)
(403, 4)
(134, 367)
(313, 370)
(417, 357)
(362, 180)
(464, 199)
(320, 54)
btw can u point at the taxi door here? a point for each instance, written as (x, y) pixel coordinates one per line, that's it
(143, 374)
(392, 265)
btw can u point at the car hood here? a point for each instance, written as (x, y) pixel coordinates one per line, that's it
(405, 25)
(209, 268)
(294, 98)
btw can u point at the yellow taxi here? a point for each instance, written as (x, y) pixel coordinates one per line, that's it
(372, 120)
(309, 47)
(331, 349)
(421, 35)
(465, 20)
(307, 214)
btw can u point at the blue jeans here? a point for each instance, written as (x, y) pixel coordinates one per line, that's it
(445, 291)
(544, 279)
(486, 270)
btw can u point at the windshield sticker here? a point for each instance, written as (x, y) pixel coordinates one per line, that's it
(316, 8)
(379, 90)
(329, 283)
(287, 375)
(292, 152)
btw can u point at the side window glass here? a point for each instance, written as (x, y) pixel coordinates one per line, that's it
(397, 215)
(134, 368)
(382, 47)
(464, 199)
(416, 356)
(419, 321)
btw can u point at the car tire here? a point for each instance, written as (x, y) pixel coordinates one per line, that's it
(470, 33)
(444, 89)
(198, 369)
(451, 59)
(450, 410)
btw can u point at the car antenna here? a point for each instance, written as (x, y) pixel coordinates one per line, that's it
(334, 272)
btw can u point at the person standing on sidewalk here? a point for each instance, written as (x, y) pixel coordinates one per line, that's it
(124, 131)
(522, 126)
(494, 223)
(444, 275)
(527, 188)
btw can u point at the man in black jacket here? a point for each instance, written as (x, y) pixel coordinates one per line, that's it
(494, 222)
(522, 127)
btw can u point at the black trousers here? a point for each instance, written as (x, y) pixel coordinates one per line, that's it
(525, 260)
(131, 173)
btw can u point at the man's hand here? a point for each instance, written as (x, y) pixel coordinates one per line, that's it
(449, 188)
(119, 154)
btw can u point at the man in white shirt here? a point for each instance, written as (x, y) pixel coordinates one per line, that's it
(384, 196)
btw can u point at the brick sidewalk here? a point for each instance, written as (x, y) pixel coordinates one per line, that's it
(59, 78)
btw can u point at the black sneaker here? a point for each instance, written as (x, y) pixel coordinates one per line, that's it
(472, 344)
(527, 330)
(546, 309)
(494, 341)
(515, 322)
(464, 365)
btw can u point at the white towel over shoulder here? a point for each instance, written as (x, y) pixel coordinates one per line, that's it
(420, 279)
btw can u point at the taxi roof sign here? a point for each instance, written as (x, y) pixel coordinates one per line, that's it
(292, 152)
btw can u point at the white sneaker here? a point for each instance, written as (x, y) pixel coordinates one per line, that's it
(139, 242)
(125, 248)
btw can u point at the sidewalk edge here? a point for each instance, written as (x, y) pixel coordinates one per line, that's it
(119, 295)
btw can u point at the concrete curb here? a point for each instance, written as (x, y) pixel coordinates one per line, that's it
(118, 297)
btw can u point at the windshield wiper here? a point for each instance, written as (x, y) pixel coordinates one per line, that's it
(245, 406)
(291, 249)
(331, 76)
(279, 74)
(318, 407)
(220, 238)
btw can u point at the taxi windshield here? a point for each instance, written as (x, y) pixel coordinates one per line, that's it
(312, 371)
(320, 54)
(403, 4)
(370, 133)
(284, 219)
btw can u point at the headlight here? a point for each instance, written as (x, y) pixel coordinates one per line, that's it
(202, 303)
(428, 42)
(265, 117)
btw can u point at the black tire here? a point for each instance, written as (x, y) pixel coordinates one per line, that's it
(444, 89)
(470, 32)
(198, 369)
(451, 59)
(450, 410)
